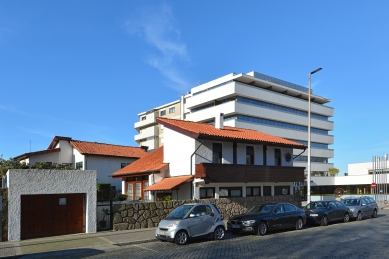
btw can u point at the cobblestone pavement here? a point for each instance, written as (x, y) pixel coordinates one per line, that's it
(365, 239)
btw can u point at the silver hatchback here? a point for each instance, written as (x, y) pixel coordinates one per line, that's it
(361, 207)
(191, 221)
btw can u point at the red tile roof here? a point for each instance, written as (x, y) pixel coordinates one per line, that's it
(151, 162)
(199, 130)
(94, 148)
(171, 183)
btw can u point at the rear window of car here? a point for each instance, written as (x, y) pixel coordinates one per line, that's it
(289, 207)
(216, 208)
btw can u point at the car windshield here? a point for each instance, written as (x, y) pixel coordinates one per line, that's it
(316, 205)
(260, 209)
(180, 212)
(351, 202)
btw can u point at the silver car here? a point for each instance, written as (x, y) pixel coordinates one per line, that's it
(361, 207)
(191, 221)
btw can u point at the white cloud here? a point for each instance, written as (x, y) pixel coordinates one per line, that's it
(11, 109)
(158, 28)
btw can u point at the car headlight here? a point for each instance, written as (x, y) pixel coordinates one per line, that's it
(173, 224)
(248, 222)
(352, 209)
(313, 215)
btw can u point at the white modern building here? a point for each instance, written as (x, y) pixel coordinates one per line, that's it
(357, 181)
(259, 102)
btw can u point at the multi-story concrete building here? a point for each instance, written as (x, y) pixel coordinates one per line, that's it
(260, 102)
(150, 132)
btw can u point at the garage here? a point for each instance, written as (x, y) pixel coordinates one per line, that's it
(43, 203)
(52, 215)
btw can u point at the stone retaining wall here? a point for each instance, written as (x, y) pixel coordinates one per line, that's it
(135, 215)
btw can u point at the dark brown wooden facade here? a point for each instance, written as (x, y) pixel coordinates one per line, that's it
(232, 173)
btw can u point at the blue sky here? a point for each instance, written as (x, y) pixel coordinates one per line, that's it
(85, 69)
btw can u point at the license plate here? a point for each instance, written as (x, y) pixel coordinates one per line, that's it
(235, 226)
(162, 233)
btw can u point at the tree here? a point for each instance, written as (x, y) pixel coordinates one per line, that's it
(333, 171)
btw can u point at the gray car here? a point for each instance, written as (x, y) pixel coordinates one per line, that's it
(361, 207)
(191, 221)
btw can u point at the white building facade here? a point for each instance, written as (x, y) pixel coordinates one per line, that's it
(266, 104)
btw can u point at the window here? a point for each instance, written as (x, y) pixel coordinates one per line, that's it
(79, 165)
(253, 191)
(217, 153)
(146, 194)
(130, 192)
(249, 155)
(278, 208)
(163, 113)
(172, 109)
(230, 192)
(277, 156)
(138, 192)
(143, 118)
(264, 155)
(289, 207)
(207, 193)
(124, 165)
(281, 190)
(266, 190)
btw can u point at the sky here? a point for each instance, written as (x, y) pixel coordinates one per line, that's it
(85, 69)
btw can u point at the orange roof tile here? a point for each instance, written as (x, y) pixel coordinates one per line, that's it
(151, 162)
(94, 148)
(171, 183)
(200, 130)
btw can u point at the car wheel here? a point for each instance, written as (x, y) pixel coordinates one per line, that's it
(181, 238)
(359, 216)
(324, 220)
(218, 234)
(299, 224)
(374, 214)
(262, 228)
(346, 218)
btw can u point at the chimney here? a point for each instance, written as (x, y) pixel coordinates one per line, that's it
(145, 148)
(219, 121)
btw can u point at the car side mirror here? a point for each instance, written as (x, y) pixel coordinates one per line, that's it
(191, 215)
(212, 214)
(329, 207)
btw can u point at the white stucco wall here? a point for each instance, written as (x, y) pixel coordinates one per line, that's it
(105, 166)
(178, 149)
(29, 182)
(66, 154)
(49, 157)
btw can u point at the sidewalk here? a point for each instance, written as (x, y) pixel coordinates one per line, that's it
(71, 244)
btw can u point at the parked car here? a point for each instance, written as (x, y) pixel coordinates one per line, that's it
(266, 217)
(361, 207)
(323, 212)
(191, 221)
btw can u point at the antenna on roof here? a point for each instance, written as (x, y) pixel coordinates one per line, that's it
(30, 146)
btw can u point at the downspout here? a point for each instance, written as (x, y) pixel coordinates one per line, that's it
(299, 154)
(191, 156)
(155, 193)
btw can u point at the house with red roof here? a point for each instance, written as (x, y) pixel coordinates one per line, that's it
(200, 160)
(83, 155)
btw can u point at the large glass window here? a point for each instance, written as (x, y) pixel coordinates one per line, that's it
(138, 191)
(281, 190)
(207, 193)
(146, 194)
(266, 190)
(217, 154)
(253, 191)
(230, 192)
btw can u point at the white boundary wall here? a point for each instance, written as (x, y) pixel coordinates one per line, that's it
(30, 182)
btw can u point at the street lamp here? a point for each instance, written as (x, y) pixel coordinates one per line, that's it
(309, 135)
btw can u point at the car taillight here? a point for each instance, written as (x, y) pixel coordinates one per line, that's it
(221, 216)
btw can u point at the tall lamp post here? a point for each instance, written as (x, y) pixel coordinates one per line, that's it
(309, 135)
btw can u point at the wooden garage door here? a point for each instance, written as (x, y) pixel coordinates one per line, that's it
(52, 214)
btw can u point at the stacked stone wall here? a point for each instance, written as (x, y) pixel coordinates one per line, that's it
(136, 215)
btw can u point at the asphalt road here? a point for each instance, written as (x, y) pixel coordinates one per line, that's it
(357, 239)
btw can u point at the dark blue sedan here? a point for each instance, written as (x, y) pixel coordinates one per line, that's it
(323, 212)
